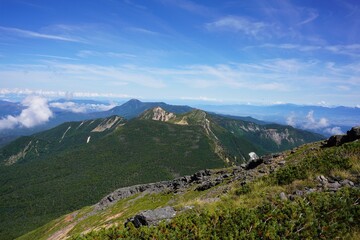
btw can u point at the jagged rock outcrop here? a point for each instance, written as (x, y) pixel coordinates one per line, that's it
(158, 114)
(175, 185)
(204, 179)
(338, 140)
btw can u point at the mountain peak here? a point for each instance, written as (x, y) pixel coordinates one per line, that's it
(134, 100)
(133, 103)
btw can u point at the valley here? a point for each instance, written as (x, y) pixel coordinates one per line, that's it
(73, 165)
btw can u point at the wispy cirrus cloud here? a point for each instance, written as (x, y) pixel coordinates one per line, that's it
(349, 49)
(201, 98)
(190, 6)
(239, 25)
(32, 34)
(312, 15)
(91, 53)
(53, 57)
(136, 5)
(279, 77)
(142, 30)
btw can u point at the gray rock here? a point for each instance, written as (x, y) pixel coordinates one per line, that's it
(347, 182)
(225, 175)
(323, 180)
(281, 163)
(200, 176)
(283, 196)
(354, 133)
(209, 184)
(291, 197)
(334, 186)
(152, 217)
(254, 163)
(298, 192)
(336, 140)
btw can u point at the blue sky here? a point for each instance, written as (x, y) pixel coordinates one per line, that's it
(304, 52)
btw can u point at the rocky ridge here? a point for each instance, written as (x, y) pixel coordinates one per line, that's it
(207, 179)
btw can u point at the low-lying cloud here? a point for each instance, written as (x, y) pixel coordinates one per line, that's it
(309, 122)
(334, 131)
(37, 112)
(81, 107)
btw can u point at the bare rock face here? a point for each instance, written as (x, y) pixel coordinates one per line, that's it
(160, 114)
(106, 124)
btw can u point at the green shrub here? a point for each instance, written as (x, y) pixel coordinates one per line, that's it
(318, 216)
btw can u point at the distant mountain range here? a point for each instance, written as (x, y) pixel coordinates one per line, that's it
(324, 120)
(128, 110)
(52, 172)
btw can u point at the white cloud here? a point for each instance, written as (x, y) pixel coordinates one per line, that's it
(312, 16)
(189, 6)
(89, 53)
(8, 122)
(32, 34)
(238, 24)
(81, 107)
(290, 120)
(47, 93)
(352, 50)
(69, 106)
(297, 80)
(206, 99)
(311, 123)
(334, 131)
(36, 112)
(142, 30)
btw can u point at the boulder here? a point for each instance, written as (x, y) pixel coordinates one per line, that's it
(152, 217)
(334, 186)
(254, 163)
(283, 196)
(337, 140)
(347, 182)
(354, 133)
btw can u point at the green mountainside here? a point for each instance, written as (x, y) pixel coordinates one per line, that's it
(73, 165)
(311, 192)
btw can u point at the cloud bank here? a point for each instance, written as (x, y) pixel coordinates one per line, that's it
(37, 112)
(313, 124)
(81, 108)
